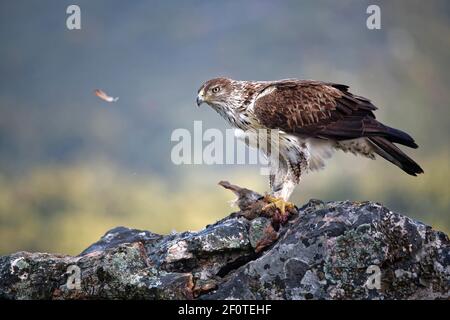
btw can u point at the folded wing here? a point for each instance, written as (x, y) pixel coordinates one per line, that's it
(329, 111)
(322, 110)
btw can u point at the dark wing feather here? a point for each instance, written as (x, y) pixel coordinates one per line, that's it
(322, 110)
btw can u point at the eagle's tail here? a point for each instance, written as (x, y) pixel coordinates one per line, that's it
(392, 153)
(398, 136)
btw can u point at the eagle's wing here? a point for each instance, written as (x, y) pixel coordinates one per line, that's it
(321, 110)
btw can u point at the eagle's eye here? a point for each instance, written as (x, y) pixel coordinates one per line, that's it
(215, 89)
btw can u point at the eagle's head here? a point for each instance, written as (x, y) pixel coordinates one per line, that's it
(230, 98)
(216, 92)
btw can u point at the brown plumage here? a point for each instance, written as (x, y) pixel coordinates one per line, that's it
(314, 118)
(329, 111)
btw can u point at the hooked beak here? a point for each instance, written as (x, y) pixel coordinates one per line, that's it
(200, 100)
(200, 97)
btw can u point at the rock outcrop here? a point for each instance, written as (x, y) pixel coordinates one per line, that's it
(333, 250)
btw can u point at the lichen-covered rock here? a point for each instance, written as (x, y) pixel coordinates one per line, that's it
(345, 250)
(119, 273)
(334, 250)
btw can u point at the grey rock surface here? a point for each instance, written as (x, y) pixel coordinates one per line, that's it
(334, 250)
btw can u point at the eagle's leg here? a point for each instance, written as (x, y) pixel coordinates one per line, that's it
(285, 191)
(282, 184)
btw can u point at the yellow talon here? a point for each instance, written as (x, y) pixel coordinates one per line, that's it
(278, 203)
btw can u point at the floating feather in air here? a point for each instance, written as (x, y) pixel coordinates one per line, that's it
(102, 95)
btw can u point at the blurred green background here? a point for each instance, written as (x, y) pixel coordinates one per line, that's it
(72, 166)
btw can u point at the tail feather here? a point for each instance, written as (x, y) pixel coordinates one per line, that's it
(393, 154)
(398, 136)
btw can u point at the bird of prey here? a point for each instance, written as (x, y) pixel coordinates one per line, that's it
(313, 119)
(102, 95)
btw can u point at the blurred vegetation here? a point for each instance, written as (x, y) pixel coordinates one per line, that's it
(71, 166)
(66, 208)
